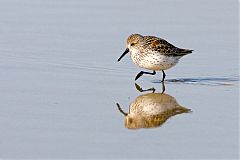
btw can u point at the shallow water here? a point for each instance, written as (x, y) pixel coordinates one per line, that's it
(60, 79)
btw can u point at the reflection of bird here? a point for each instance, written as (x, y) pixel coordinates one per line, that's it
(153, 53)
(151, 110)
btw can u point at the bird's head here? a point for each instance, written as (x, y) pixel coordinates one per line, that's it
(132, 41)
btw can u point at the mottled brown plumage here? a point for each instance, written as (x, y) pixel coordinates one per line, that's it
(162, 46)
(153, 53)
(151, 110)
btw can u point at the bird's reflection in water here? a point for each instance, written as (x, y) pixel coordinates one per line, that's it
(151, 110)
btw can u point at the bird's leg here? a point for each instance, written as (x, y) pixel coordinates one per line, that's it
(144, 90)
(164, 75)
(142, 72)
(163, 87)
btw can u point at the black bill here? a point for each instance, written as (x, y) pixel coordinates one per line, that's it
(124, 53)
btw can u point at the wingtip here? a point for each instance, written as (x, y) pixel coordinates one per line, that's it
(188, 51)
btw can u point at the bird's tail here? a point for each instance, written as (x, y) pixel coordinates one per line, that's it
(185, 51)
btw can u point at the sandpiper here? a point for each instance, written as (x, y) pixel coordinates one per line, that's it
(153, 53)
(151, 110)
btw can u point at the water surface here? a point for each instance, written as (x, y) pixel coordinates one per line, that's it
(60, 80)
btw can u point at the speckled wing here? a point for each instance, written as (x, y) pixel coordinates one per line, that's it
(152, 43)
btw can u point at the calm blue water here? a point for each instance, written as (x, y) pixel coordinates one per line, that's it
(60, 79)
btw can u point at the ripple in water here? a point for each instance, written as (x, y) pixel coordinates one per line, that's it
(203, 81)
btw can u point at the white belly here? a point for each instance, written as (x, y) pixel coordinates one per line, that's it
(154, 61)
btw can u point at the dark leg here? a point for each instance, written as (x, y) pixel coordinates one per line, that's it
(144, 90)
(163, 87)
(142, 72)
(164, 75)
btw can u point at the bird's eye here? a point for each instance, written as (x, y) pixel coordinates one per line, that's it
(132, 44)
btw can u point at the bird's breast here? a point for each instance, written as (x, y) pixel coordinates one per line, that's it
(153, 60)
